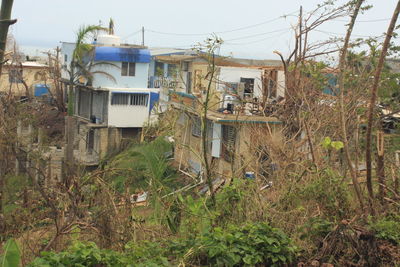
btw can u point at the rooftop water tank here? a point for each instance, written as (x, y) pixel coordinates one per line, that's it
(109, 40)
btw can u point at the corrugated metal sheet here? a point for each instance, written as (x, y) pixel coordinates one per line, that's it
(122, 54)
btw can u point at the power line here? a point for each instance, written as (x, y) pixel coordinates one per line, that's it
(336, 33)
(256, 41)
(372, 20)
(221, 32)
(136, 32)
(178, 34)
(255, 25)
(258, 34)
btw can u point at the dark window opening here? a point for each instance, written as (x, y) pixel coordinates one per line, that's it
(130, 133)
(128, 69)
(132, 69)
(228, 142)
(248, 86)
(84, 103)
(172, 71)
(15, 76)
(189, 83)
(90, 141)
(185, 66)
(209, 135)
(159, 69)
(196, 126)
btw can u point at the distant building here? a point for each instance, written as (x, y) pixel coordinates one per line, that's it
(25, 79)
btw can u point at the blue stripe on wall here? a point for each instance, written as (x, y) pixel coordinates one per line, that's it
(122, 54)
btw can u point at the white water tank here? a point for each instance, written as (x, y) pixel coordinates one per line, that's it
(109, 40)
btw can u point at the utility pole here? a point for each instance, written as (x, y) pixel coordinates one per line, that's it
(5, 22)
(142, 35)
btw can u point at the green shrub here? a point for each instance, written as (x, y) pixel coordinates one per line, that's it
(387, 228)
(146, 254)
(80, 254)
(330, 192)
(11, 256)
(252, 244)
(315, 229)
(88, 254)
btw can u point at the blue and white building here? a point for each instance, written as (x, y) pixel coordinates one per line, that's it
(112, 99)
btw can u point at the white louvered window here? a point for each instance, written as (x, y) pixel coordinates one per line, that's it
(120, 99)
(133, 99)
(139, 99)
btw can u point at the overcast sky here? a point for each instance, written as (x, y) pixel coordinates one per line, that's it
(44, 23)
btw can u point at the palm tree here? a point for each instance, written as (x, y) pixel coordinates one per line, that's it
(81, 66)
(77, 64)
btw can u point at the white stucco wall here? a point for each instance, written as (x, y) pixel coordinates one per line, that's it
(137, 81)
(66, 49)
(128, 115)
(233, 75)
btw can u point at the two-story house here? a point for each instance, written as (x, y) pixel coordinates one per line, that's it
(242, 98)
(115, 103)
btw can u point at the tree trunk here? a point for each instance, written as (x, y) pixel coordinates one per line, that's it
(69, 154)
(380, 166)
(380, 172)
(374, 93)
(5, 22)
(342, 63)
(207, 164)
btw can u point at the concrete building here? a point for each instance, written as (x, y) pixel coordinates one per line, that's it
(24, 79)
(114, 103)
(242, 97)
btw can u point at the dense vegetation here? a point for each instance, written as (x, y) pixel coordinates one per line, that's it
(310, 203)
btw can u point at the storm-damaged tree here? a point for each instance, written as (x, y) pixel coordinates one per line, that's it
(372, 103)
(5, 22)
(212, 44)
(303, 66)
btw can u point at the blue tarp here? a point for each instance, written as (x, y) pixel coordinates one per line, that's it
(41, 89)
(122, 54)
(154, 97)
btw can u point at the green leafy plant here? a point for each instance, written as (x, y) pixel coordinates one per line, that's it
(328, 190)
(80, 254)
(387, 228)
(146, 254)
(11, 256)
(315, 229)
(327, 143)
(252, 244)
(88, 254)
